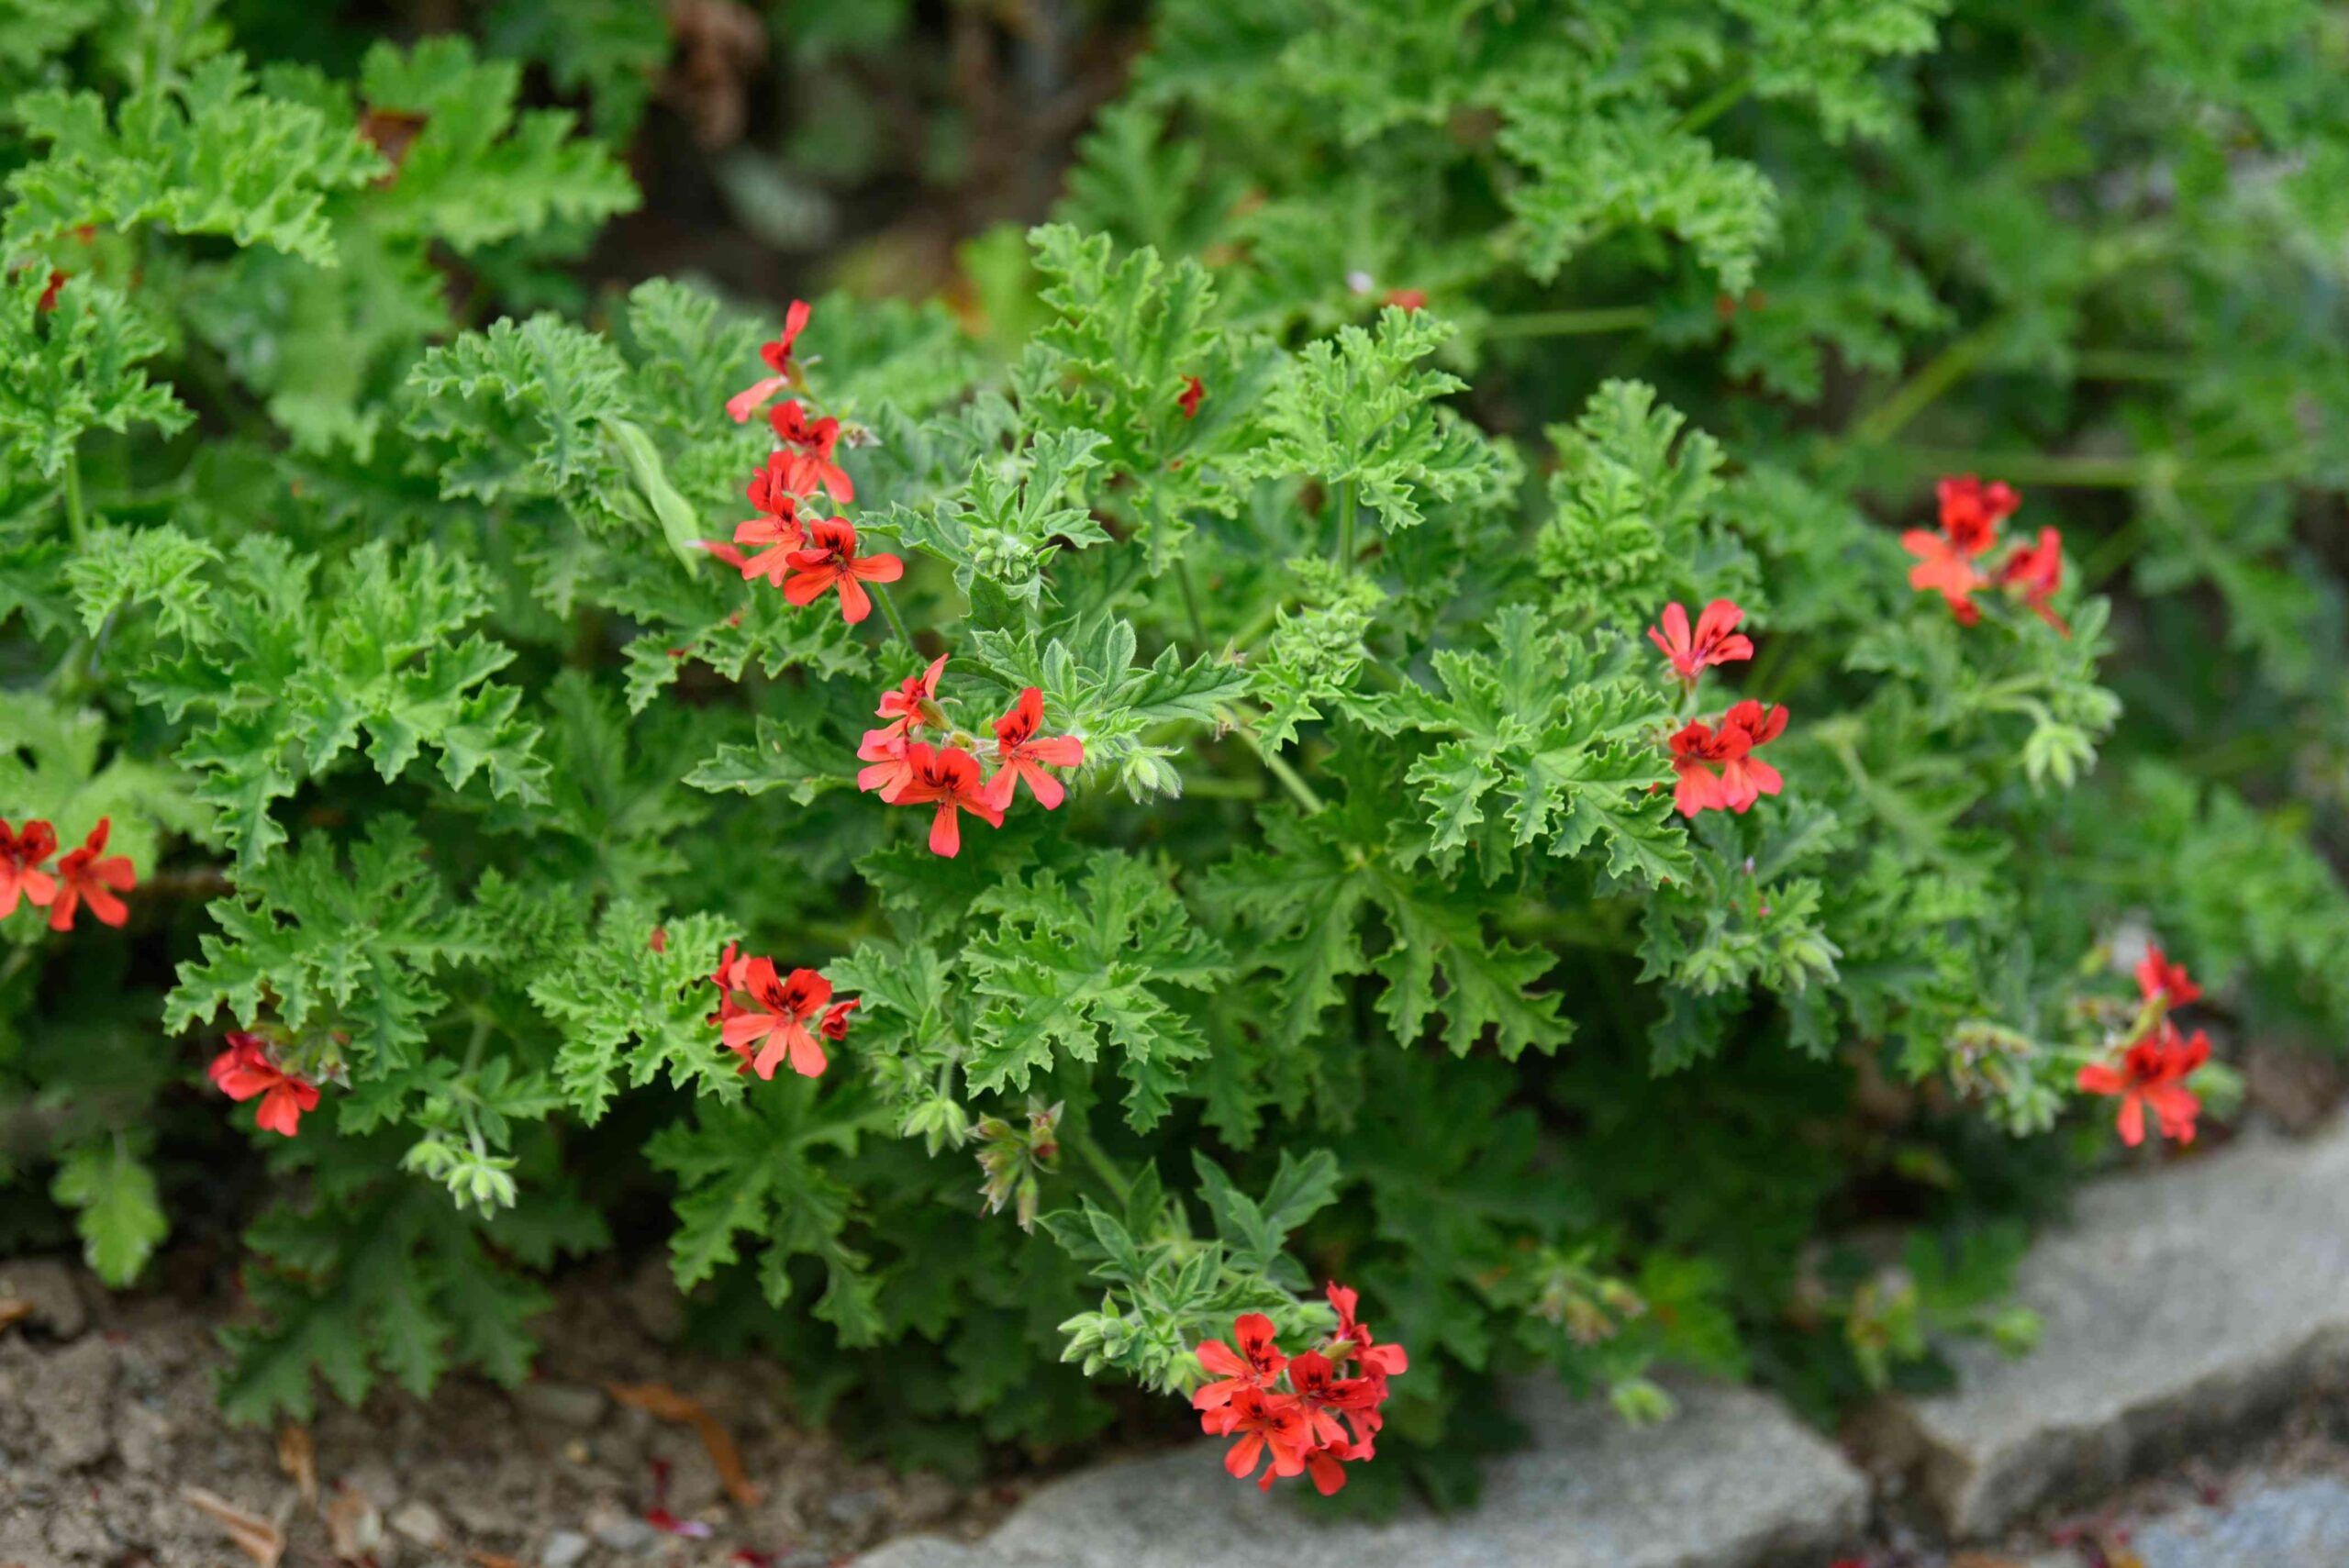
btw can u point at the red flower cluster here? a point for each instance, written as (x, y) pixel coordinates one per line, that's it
(762, 1017)
(85, 876)
(1971, 512)
(1718, 769)
(249, 1068)
(949, 776)
(1716, 764)
(1321, 1420)
(805, 557)
(2153, 1069)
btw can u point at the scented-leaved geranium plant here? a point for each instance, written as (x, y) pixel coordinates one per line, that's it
(1256, 773)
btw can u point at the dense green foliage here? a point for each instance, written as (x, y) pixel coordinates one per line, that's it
(347, 565)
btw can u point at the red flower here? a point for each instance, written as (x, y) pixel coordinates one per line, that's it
(1020, 756)
(1257, 1364)
(835, 1025)
(777, 1014)
(1717, 638)
(778, 355)
(949, 776)
(1972, 511)
(890, 754)
(832, 561)
(82, 877)
(1261, 1421)
(808, 462)
(1194, 392)
(777, 536)
(1743, 778)
(914, 702)
(1408, 299)
(909, 708)
(2038, 571)
(1323, 1466)
(727, 978)
(2153, 1072)
(2157, 976)
(1943, 568)
(245, 1069)
(48, 300)
(21, 855)
(1353, 1337)
(1325, 1395)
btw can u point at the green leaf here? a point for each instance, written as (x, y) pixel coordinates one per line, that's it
(117, 1209)
(476, 171)
(349, 945)
(627, 1012)
(204, 153)
(74, 370)
(1359, 411)
(1069, 968)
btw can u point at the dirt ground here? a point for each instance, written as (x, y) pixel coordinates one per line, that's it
(112, 1453)
(624, 1450)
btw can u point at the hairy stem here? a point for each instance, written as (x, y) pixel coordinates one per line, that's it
(1345, 557)
(1569, 322)
(1074, 1134)
(73, 515)
(1191, 602)
(1275, 765)
(2161, 471)
(896, 622)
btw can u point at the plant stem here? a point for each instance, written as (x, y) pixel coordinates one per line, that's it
(1291, 779)
(1191, 602)
(1728, 97)
(1120, 1188)
(1215, 786)
(1346, 529)
(1569, 322)
(73, 515)
(896, 622)
(1916, 394)
(2128, 364)
(2078, 473)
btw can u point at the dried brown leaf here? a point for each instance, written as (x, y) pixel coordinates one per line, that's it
(298, 1459)
(666, 1404)
(354, 1528)
(255, 1536)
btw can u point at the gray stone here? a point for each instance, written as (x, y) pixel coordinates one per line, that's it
(573, 1405)
(650, 1298)
(47, 1286)
(2183, 1305)
(69, 1392)
(925, 1497)
(143, 1438)
(420, 1521)
(2288, 1526)
(1733, 1481)
(617, 1530)
(563, 1549)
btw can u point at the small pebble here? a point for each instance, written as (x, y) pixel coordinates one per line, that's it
(561, 1404)
(420, 1521)
(564, 1548)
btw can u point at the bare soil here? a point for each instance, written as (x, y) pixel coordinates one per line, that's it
(113, 1455)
